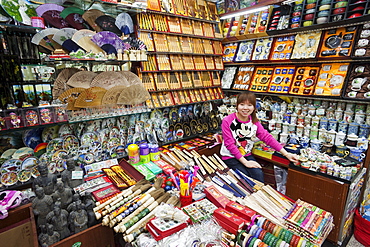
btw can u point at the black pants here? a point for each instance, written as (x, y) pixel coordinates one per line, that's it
(255, 173)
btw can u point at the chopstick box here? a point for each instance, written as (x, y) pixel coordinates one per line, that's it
(216, 197)
(228, 220)
(240, 210)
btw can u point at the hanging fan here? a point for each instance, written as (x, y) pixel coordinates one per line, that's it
(90, 97)
(133, 95)
(111, 96)
(81, 79)
(69, 97)
(108, 80)
(44, 39)
(64, 34)
(108, 41)
(51, 13)
(131, 78)
(124, 23)
(108, 23)
(83, 38)
(20, 10)
(73, 16)
(136, 43)
(60, 83)
(90, 17)
(40, 10)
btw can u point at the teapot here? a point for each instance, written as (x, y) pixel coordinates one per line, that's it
(316, 144)
(351, 140)
(304, 141)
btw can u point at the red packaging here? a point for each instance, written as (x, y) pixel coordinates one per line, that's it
(227, 227)
(159, 230)
(216, 197)
(231, 219)
(240, 210)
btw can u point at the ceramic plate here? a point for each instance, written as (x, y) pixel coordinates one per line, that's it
(8, 153)
(22, 152)
(9, 178)
(58, 155)
(11, 165)
(32, 138)
(24, 175)
(70, 141)
(29, 163)
(88, 138)
(65, 129)
(54, 145)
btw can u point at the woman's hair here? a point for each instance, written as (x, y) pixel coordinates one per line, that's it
(251, 98)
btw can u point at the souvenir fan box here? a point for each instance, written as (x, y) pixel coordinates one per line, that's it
(129, 170)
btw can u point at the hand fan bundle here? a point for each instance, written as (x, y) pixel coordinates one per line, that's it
(124, 23)
(60, 84)
(81, 79)
(108, 23)
(90, 17)
(133, 95)
(90, 97)
(69, 97)
(111, 96)
(83, 39)
(108, 41)
(73, 16)
(51, 13)
(136, 43)
(131, 78)
(64, 38)
(44, 38)
(109, 79)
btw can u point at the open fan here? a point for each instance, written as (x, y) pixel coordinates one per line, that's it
(108, 23)
(81, 79)
(111, 96)
(90, 97)
(69, 97)
(90, 17)
(64, 38)
(133, 95)
(131, 78)
(136, 43)
(108, 41)
(73, 16)
(20, 10)
(83, 38)
(124, 23)
(51, 13)
(109, 79)
(45, 39)
(60, 83)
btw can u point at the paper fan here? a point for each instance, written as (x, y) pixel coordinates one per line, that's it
(64, 34)
(108, 23)
(83, 38)
(81, 79)
(73, 16)
(108, 80)
(132, 78)
(111, 96)
(60, 83)
(90, 97)
(90, 17)
(133, 95)
(124, 23)
(40, 10)
(20, 10)
(69, 97)
(107, 40)
(44, 38)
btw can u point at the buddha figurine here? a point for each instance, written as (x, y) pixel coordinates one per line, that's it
(41, 205)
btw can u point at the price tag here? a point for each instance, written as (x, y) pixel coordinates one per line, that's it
(77, 174)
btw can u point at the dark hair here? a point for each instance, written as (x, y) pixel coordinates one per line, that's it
(251, 98)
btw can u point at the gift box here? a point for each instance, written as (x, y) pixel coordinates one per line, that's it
(228, 218)
(160, 228)
(216, 197)
(240, 210)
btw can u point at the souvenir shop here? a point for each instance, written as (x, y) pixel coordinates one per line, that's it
(113, 112)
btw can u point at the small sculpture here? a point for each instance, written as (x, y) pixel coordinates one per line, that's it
(72, 206)
(45, 180)
(43, 235)
(64, 194)
(59, 218)
(41, 205)
(68, 176)
(79, 218)
(52, 236)
(89, 205)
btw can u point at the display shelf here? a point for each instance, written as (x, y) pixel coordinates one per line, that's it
(179, 34)
(162, 107)
(20, 28)
(179, 89)
(183, 53)
(108, 62)
(180, 16)
(8, 131)
(295, 62)
(183, 70)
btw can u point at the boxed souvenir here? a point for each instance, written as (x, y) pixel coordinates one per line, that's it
(197, 28)
(116, 180)
(361, 48)
(262, 49)
(30, 116)
(331, 79)
(279, 19)
(229, 52)
(306, 45)
(282, 79)
(105, 192)
(358, 82)
(145, 171)
(192, 7)
(244, 51)
(216, 197)
(304, 80)
(199, 210)
(47, 115)
(243, 78)
(261, 78)
(160, 228)
(216, 81)
(240, 210)
(338, 43)
(231, 219)
(228, 77)
(13, 119)
(60, 113)
(282, 48)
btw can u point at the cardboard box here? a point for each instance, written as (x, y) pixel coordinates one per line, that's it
(240, 210)
(216, 197)
(231, 219)
(21, 235)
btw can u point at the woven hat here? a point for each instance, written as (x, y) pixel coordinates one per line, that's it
(133, 95)
(111, 96)
(131, 77)
(81, 79)
(90, 17)
(60, 84)
(69, 97)
(109, 79)
(90, 97)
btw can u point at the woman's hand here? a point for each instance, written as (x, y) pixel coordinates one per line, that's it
(252, 164)
(292, 157)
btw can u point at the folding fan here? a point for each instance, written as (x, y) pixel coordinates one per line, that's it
(81, 79)
(51, 13)
(69, 97)
(133, 95)
(131, 78)
(73, 16)
(90, 97)
(108, 23)
(20, 10)
(111, 96)
(124, 23)
(108, 40)
(64, 34)
(83, 38)
(40, 10)
(44, 39)
(109, 79)
(60, 83)
(90, 17)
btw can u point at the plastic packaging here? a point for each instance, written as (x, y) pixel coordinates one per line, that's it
(133, 153)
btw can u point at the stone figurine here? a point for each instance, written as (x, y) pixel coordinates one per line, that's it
(41, 205)
(64, 194)
(67, 174)
(59, 219)
(72, 206)
(89, 205)
(52, 236)
(45, 180)
(79, 218)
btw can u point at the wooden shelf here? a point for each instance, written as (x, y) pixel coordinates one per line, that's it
(179, 34)
(183, 53)
(180, 16)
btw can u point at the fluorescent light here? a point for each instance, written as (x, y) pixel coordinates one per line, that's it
(227, 16)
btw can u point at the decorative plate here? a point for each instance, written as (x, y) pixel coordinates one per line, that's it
(104, 134)
(35, 172)
(9, 178)
(58, 155)
(156, 113)
(65, 129)
(132, 120)
(145, 116)
(24, 175)
(174, 116)
(114, 133)
(32, 138)
(29, 163)
(54, 145)
(88, 138)
(23, 152)
(8, 153)
(45, 158)
(52, 167)
(50, 133)
(11, 165)
(60, 165)
(70, 141)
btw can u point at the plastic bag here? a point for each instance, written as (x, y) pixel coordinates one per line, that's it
(281, 175)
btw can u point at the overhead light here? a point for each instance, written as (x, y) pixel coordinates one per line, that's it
(249, 11)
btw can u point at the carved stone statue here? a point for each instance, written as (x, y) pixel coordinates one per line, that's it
(64, 194)
(89, 205)
(41, 205)
(72, 206)
(79, 218)
(45, 180)
(52, 236)
(68, 175)
(43, 235)
(59, 219)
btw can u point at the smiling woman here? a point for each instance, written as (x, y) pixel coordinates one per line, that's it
(240, 131)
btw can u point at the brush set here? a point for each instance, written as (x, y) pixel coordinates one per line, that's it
(188, 62)
(150, 64)
(216, 81)
(198, 46)
(173, 43)
(176, 62)
(148, 40)
(192, 8)
(154, 5)
(163, 62)
(186, 44)
(181, 7)
(160, 22)
(174, 80)
(173, 24)
(206, 78)
(145, 21)
(219, 63)
(161, 43)
(207, 45)
(210, 64)
(186, 81)
(148, 81)
(217, 48)
(186, 26)
(197, 28)
(161, 81)
(199, 63)
(197, 80)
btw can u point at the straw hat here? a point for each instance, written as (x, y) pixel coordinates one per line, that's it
(111, 96)
(81, 79)
(133, 95)
(69, 97)
(90, 97)
(109, 79)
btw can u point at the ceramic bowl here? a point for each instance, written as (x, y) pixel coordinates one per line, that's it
(311, 6)
(325, 2)
(309, 17)
(355, 15)
(341, 4)
(322, 20)
(310, 11)
(294, 25)
(310, 1)
(307, 23)
(298, 7)
(339, 11)
(297, 13)
(324, 7)
(296, 19)
(323, 13)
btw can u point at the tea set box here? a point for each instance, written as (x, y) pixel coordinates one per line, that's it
(243, 78)
(244, 51)
(358, 82)
(282, 79)
(261, 79)
(262, 49)
(306, 45)
(304, 80)
(331, 79)
(279, 19)
(361, 48)
(282, 48)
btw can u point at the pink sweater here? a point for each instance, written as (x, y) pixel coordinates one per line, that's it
(237, 133)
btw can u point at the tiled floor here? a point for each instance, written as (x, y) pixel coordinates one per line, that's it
(354, 243)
